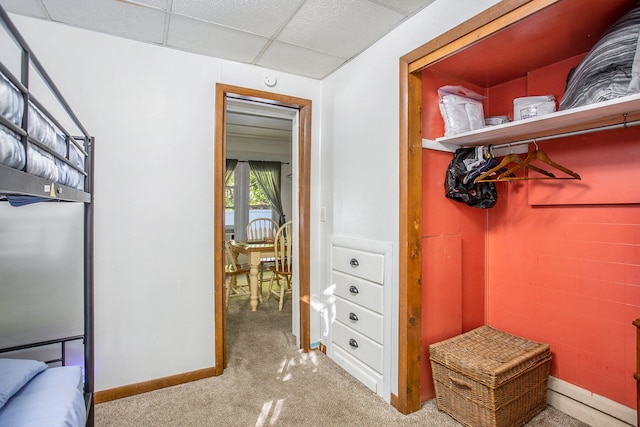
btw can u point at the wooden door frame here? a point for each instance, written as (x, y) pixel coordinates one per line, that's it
(304, 204)
(482, 25)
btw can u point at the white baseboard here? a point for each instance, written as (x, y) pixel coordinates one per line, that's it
(588, 407)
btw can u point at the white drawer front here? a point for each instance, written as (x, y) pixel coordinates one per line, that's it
(357, 345)
(367, 265)
(358, 291)
(360, 319)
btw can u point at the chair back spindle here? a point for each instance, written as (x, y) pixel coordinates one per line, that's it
(261, 229)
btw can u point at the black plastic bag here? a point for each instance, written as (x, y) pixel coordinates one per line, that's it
(481, 195)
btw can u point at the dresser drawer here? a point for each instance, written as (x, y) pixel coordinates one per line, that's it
(360, 319)
(366, 265)
(366, 294)
(357, 345)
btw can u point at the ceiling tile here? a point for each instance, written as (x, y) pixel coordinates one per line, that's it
(158, 4)
(111, 17)
(408, 7)
(297, 60)
(263, 17)
(31, 8)
(209, 39)
(337, 27)
(313, 37)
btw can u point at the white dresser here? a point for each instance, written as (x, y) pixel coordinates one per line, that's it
(359, 332)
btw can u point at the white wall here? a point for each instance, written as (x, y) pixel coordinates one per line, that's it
(41, 275)
(151, 110)
(360, 126)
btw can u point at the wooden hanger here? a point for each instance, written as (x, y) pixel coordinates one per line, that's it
(537, 154)
(507, 160)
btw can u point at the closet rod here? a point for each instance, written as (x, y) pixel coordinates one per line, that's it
(625, 124)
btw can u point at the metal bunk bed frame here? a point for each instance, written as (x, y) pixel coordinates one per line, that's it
(16, 182)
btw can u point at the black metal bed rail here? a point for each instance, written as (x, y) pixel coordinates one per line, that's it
(31, 100)
(61, 341)
(31, 58)
(22, 85)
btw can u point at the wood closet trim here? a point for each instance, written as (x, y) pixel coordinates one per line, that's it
(497, 17)
(304, 207)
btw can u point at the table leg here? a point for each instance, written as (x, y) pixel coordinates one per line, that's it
(234, 278)
(254, 262)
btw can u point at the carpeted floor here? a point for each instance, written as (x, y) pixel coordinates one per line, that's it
(269, 382)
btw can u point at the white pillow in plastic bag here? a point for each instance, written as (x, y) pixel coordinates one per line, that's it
(461, 110)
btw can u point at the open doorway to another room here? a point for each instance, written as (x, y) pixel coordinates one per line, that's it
(258, 130)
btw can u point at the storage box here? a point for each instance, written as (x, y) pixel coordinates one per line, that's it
(487, 377)
(533, 106)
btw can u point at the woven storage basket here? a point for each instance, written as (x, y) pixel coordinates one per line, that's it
(487, 377)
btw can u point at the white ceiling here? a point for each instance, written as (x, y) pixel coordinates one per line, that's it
(258, 131)
(310, 38)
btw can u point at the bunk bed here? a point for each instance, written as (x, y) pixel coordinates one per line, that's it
(41, 161)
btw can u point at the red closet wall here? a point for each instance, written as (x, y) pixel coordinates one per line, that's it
(569, 275)
(554, 261)
(453, 267)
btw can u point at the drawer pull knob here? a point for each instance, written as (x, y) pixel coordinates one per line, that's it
(353, 343)
(353, 289)
(353, 317)
(354, 262)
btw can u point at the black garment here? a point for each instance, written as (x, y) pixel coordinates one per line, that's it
(481, 195)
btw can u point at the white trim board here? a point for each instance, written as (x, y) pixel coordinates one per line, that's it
(588, 407)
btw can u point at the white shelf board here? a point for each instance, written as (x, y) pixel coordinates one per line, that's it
(451, 148)
(580, 118)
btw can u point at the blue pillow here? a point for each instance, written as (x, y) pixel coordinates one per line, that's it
(15, 373)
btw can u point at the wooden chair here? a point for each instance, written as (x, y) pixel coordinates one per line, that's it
(262, 229)
(282, 265)
(231, 269)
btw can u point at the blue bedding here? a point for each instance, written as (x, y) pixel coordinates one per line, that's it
(53, 397)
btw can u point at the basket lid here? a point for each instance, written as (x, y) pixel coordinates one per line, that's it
(488, 355)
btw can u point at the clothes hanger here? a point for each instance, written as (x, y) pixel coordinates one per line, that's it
(508, 174)
(506, 160)
(504, 176)
(543, 157)
(538, 154)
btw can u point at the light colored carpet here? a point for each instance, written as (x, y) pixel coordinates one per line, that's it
(268, 382)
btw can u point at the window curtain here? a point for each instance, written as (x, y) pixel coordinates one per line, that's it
(241, 211)
(268, 176)
(231, 167)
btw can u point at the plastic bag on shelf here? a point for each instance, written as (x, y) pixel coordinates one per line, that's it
(532, 106)
(461, 109)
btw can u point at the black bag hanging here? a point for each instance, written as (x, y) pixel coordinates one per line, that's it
(481, 195)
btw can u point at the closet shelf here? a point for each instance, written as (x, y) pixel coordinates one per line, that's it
(602, 114)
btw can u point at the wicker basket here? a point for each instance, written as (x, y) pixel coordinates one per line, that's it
(487, 377)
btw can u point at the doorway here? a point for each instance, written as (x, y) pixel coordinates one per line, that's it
(302, 162)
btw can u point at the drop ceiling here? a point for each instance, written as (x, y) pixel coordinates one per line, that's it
(311, 38)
